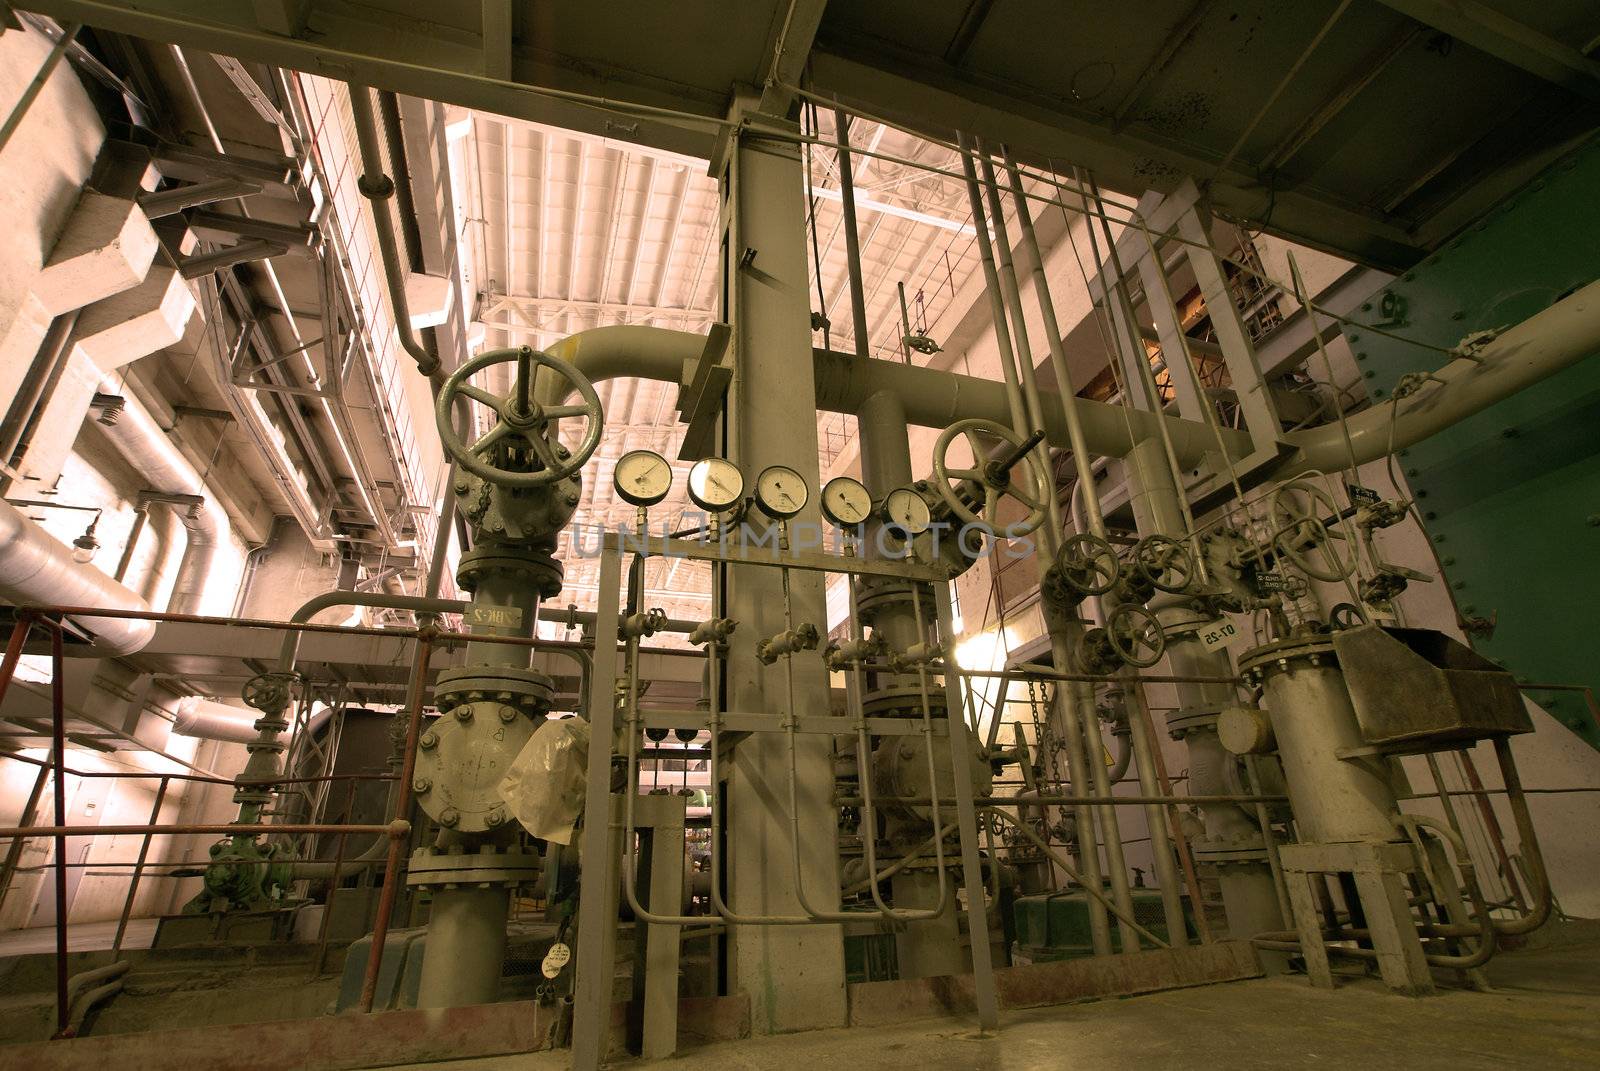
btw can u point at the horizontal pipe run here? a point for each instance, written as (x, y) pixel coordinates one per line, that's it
(1034, 800)
(396, 830)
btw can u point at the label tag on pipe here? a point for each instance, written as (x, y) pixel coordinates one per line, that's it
(555, 959)
(1362, 496)
(495, 616)
(1215, 635)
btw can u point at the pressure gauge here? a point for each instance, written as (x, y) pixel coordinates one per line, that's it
(846, 501)
(781, 492)
(642, 477)
(908, 511)
(715, 484)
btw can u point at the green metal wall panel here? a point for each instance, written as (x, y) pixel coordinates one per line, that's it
(1511, 497)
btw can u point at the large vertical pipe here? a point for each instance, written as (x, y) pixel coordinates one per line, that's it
(852, 237)
(466, 947)
(1249, 896)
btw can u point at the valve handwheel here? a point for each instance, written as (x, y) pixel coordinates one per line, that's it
(1296, 513)
(1088, 563)
(1135, 635)
(521, 417)
(270, 692)
(996, 479)
(1164, 562)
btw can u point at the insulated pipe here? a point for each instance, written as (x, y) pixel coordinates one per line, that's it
(36, 568)
(936, 399)
(210, 720)
(1537, 348)
(1534, 349)
(150, 452)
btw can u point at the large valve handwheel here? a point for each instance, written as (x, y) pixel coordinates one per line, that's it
(1164, 562)
(1135, 635)
(1088, 563)
(270, 692)
(1296, 513)
(1024, 480)
(521, 418)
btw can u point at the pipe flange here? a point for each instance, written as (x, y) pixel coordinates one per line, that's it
(461, 761)
(1193, 719)
(1229, 856)
(528, 690)
(517, 514)
(903, 702)
(486, 868)
(536, 568)
(1279, 656)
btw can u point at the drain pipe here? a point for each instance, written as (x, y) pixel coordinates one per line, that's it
(378, 187)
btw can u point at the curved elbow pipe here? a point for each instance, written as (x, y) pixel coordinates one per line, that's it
(1538, 347)
(623, 351)
(146, 447)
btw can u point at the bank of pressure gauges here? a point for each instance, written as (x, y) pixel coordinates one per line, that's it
(781, 492)
(907, 511)
(715, 485)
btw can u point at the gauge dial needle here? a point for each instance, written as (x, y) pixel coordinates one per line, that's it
(712, 481)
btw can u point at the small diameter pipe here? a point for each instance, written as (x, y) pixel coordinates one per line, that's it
(1082, 460)
(852, 239)
(377, 187)
(58, 755)
(138, 867)
(391, 870)
(1543, 895)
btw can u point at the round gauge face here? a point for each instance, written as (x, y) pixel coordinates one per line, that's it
(715, 484)
(781, 492)
(642, 477)
(907, 511)
(846, 501)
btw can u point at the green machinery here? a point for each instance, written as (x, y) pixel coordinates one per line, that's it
(1511, 496)
(1052, 926)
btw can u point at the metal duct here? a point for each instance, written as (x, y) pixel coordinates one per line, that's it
(37, 569)
(149, 450)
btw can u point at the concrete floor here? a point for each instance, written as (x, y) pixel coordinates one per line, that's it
(1544, 1013)
(81, 937)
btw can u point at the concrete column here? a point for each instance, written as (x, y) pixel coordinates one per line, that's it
(793, 974)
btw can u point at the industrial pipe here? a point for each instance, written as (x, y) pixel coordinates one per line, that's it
(211, 720)
(36, 568)
(1534, 349)
(376, 186)
(1537, 348)
(149, 450)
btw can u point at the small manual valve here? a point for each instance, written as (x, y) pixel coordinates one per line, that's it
(800, 638)
(647, 623)
(918, 654)
(850, 652)
(713, 630)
